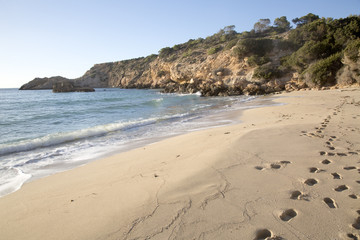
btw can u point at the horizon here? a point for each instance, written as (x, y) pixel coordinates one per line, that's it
(49, 38)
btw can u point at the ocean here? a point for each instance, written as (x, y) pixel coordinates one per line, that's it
(43, 132)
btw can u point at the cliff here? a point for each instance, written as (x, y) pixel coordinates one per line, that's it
(229, 63)
(183, 71)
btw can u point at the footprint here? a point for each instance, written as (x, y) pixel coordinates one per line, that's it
(278, 165)
(331, 203)
(275, 166)
(315, 170)
(326, 161)
(262, 234)
(285, 162)
(356, 224)
(341, 188)
(353, 196)
(353, 153)
(288, 214)
(322, 153)
(295, 194)
(331, 147)
(336, 175)
(259, 168)
(349, 168)
(352, 236)
(341, 154)
(311, 182)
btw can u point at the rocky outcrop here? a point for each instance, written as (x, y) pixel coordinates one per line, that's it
(220, 74)
(42, 83)
(231, 63)
(68, 86)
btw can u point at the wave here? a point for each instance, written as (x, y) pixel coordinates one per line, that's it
(64, 137)
(11, 179)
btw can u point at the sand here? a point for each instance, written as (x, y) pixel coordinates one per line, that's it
(286, 172)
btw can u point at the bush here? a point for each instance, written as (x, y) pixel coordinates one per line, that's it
(267, 72)
(352, 50)
(249, 46)
(214, 50)
(323, 72)
(165, 52)
(187, 53)
(255, 60)
(287, 45)
(231, 44)
(308, 53)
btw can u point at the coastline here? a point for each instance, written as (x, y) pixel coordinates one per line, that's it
(249, 180)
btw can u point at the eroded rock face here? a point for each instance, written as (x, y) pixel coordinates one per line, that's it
(219, 74)
(68, 86)
(42, 83)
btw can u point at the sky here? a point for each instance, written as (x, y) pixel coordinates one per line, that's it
(44, 38)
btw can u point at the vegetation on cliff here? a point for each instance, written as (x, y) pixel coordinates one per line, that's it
(317, 52)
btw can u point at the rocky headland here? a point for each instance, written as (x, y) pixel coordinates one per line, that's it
(265, 60)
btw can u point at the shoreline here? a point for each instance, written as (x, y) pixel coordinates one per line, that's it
(247, 180)
(65, 150)
(216, 119)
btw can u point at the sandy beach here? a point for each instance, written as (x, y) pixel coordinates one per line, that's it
(289, 171)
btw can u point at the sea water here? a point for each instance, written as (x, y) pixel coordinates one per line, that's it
(42, 133)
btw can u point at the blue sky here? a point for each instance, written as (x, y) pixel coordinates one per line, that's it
(44, 38)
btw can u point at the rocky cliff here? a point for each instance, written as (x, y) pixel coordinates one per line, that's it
(221, 73)
(231, 63)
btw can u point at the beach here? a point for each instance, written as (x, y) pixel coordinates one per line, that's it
(288, 171)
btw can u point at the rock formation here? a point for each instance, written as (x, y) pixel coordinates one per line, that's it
(217, 74)
(68, 86)
(231, 63)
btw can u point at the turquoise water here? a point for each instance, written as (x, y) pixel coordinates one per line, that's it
(44, 132)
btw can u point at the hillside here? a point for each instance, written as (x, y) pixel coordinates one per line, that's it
(318, 53)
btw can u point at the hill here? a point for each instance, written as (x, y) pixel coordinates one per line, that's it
(318, 53)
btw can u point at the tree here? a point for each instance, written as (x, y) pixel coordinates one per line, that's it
(262, 25)
(229, 29)
(282, 24)
(305, 19)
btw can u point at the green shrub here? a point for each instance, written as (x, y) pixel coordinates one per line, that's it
(250, 46)
(287, 45)
(187, 53)
(214, 50)
(323, 72)
(255, 60)
(352, 50)
(231, 44)
(165, 52)
(266, 72)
